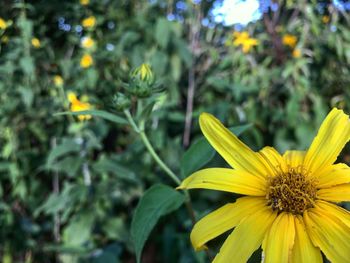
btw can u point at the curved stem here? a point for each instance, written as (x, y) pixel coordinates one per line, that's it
(157, 159)
(150, 148)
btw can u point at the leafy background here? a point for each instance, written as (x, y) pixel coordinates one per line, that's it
(69, 189)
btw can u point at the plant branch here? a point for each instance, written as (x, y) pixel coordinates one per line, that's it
(150, 148)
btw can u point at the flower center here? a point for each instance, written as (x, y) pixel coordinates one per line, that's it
(291, 191)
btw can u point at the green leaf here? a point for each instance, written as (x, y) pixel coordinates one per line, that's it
(98, 113)
(200, 153)
(157, 201)
(107, 165)
(68, 146)
(162, 32)
(79, 229)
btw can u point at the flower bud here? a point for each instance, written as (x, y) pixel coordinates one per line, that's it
(141, 81)
(121, 101)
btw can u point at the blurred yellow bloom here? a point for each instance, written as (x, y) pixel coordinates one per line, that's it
(243, 39)
(289, 203)
(89, 22)
(36, 42)
(87, 42)
(296, 53)
(289, 40)
(77, 105)
(86, 61)
(84, 2)
(325, 19)
(58, 80)
(3, 24)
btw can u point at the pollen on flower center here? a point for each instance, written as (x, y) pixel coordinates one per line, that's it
(291, 191)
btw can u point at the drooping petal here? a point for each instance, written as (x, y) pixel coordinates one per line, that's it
(278, 242)
(335, 175)
(294, 158)
(274, 161)
(224, 219)
(246, 237)
(235, 152)
(224, 179)
(303, 250)
(332, 136)
(329, 234)
(338, 193)
(336, 211)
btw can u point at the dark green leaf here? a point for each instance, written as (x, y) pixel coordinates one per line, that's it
(66, 147)
(157, 201)
(98, 113)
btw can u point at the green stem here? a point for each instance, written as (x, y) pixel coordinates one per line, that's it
(150, 148)
(157, 159)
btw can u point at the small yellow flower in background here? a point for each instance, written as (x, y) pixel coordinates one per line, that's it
(87, 42)
(289, 208)
(86, 61)
(36, 42)
(289, 40)
(77, 105)
(3, 24)
(89, 22)
(296, 53)
(84, 2)
(243, 39)
(58, 80)
(325, 19)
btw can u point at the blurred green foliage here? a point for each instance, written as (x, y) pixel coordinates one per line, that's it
(69, 188)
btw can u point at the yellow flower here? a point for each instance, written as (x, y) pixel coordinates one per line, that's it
(84, 2)
(296, 53)
(3, 24)
(325, 19)
(89, 22)
(289, 205)
(58, 80)
(289, 40)
(86, 61)
(87, 42)
(77, 105)
(36, 42)
(243, 39)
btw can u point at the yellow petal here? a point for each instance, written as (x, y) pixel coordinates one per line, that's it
(335, 175)
(338, 193)
(279, 241)
(224, 179)
(223, 219)
(235, 152)
(273, 160)
(303, 250)
(246, 237)
(329, 234)
(332, 136)
(294, 158)
(334, 210)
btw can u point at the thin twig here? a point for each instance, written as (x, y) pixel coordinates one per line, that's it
(56, 190)
(194, 42)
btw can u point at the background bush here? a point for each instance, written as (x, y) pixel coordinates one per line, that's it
(69, 188)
